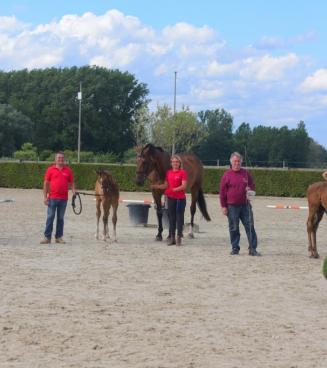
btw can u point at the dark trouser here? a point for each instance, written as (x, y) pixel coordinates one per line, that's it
(59, 206)
(245, 214)
(176, 209)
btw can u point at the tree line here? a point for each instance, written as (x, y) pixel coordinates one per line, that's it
(40, 107)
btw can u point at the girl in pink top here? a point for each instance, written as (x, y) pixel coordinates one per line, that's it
(175, 186)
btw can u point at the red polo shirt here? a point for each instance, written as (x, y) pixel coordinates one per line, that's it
(59, 180)
(174, 180)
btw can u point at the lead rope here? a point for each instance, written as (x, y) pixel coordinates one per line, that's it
(77, 208)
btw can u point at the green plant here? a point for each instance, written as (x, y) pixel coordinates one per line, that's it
(27, 153)
(324, 268)
(281, 183)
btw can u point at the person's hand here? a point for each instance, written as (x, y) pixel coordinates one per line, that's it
(153, 186)
(224, 211)
(46, 201)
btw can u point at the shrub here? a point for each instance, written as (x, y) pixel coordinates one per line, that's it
(46, 155)
(26, 153)
(281, 183)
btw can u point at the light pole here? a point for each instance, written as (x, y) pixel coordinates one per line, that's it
(79, 97)
(173, 146)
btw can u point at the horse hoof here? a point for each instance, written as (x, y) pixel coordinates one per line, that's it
(159, 238)
(191, 236)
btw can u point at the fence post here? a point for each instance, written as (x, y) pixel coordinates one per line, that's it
(218, 162)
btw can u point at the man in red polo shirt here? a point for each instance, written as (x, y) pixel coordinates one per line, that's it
(57, 180)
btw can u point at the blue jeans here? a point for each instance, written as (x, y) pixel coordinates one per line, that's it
(59, 206)
(245, 214)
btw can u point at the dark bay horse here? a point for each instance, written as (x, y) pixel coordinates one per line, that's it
(107, 195)
(317, 202)
(153, 163)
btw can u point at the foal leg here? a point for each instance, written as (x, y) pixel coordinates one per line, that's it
(314, 219)
(105, 223)
(114, 221)
(318, 217)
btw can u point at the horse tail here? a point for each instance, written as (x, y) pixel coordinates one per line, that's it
(203, 206)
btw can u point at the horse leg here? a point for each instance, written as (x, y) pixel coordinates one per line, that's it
(318, 217)
(314, 219)
(157, 199)
(105, 222)
(114, 221)
(194, 196)
(98, 215)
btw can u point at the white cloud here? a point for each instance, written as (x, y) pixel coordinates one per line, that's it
(268, 68)
(120, 58)
(207, 90)
(11, 24)
(271, 43)
(161, 69)
(210, 73)
(315, 82)
(215, 69)
(184, 32)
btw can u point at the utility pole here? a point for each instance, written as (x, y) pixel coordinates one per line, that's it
(173, 146)
(79, 97)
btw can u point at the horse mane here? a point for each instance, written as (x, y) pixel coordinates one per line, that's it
(152, 148)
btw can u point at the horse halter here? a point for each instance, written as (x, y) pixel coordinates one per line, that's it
(144, 164)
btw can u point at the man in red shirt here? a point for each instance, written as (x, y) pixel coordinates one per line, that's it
(57, 180)
(235, 185)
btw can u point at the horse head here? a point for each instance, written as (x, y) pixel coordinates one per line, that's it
(104, 179)
(145, 163)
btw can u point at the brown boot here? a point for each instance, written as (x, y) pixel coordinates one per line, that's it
(171, 240)
(179, 240)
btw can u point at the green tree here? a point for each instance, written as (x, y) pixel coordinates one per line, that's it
(242, 137)
(141, 126)
(28, 152)
(48, 97)
(218, 141)
(182, 129)
(317, 155)
(299, 145)
(15, 129)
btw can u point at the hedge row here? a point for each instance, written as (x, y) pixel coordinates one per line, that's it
(281, 183)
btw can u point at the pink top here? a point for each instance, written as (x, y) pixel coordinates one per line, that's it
(174, 180)
(233, 187)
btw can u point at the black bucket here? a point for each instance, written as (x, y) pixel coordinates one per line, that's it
(138, 213)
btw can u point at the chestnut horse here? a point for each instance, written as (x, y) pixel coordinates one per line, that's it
(107, 195)
(317, 202)
(153, 163)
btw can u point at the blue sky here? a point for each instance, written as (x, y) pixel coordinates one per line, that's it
(264, 62)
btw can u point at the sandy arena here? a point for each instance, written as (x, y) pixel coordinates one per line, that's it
(138, 303)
